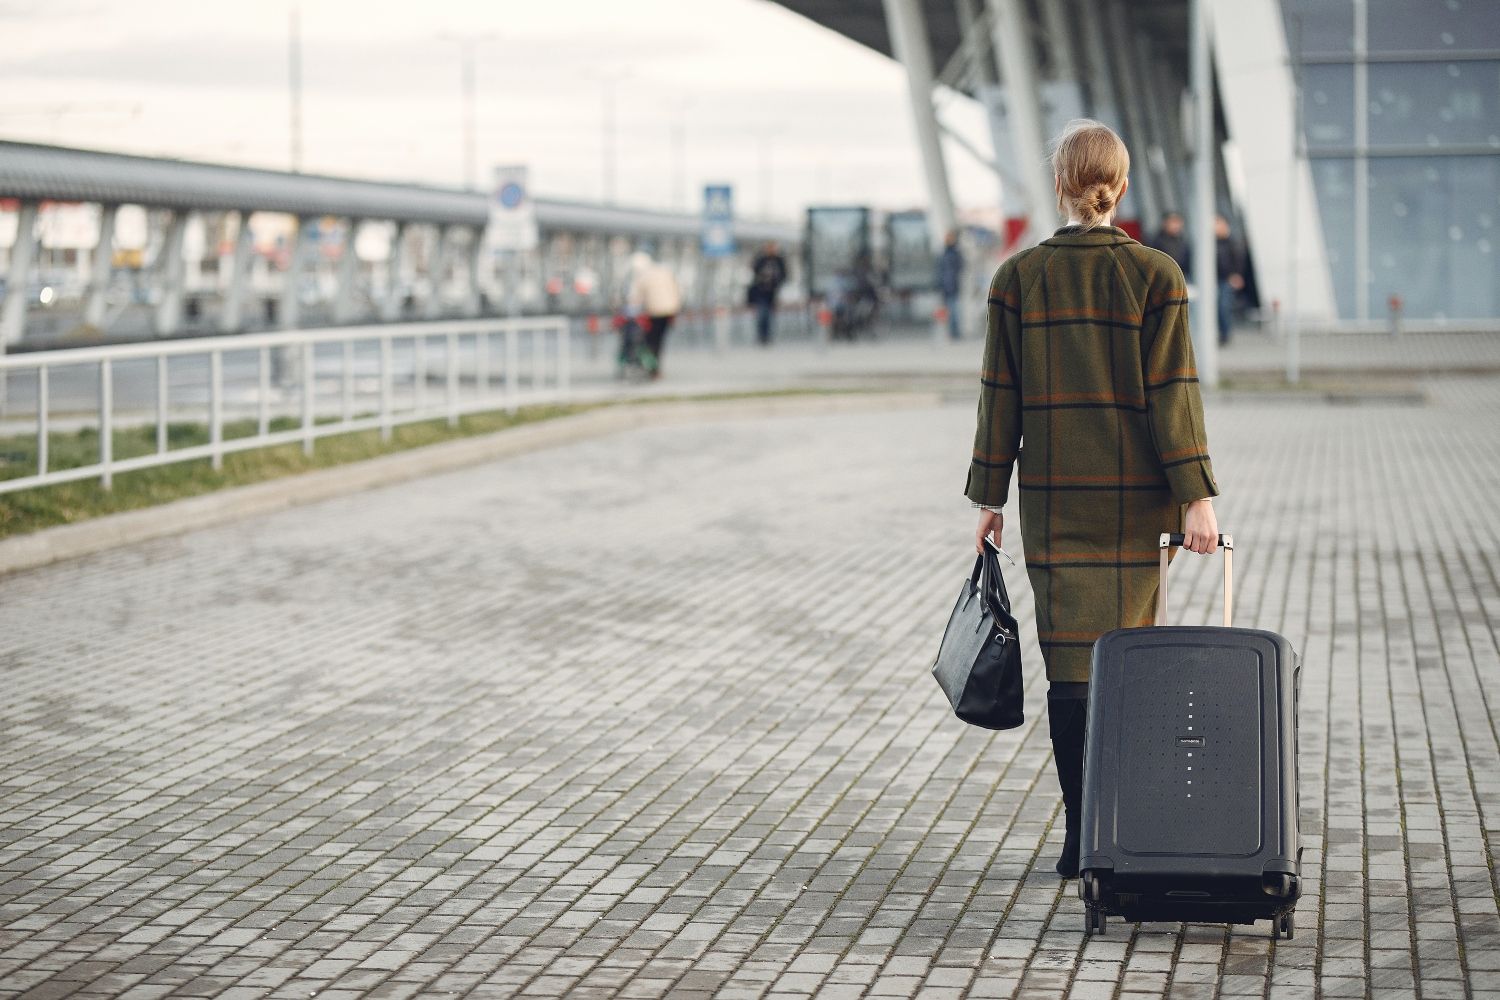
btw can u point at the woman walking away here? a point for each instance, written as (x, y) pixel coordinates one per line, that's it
(654, 291)
(1088, 361)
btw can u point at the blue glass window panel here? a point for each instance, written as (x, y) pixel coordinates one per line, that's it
(1333, 180)
(1435, 235)
(1430, 104)
(1433, 25)
(1328, 106)
(1322, 26)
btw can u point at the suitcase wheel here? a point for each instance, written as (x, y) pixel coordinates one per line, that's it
(1091, 887)
(1284, 926)
(1093, 919)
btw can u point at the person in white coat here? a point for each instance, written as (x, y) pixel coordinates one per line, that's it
(654, 292)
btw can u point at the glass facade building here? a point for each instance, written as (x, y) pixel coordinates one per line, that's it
(1401, 122)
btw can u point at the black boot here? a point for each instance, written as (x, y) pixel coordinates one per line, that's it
(1067, 719)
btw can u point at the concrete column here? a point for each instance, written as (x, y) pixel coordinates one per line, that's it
(169, 270)
(599, 254)
(1012, 41)
(18, 282)
(232, 318)
(1157, 115)
(1363, 275)
(291, 298)
(1104, 99)
(1137, 134)
(1058, 32)
(476, 260)
(969, 31)
(1062, 97)
(397, 263)
(908, 31)
(1279, 206)
(1098, 53)
(344, 305)
(1205, 322)
(101, 268)
(1169, 91)
(432, 307)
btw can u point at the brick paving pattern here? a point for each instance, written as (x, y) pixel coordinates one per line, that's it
(650, 715)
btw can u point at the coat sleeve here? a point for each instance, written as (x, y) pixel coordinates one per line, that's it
(1174, 404)
(997, 439)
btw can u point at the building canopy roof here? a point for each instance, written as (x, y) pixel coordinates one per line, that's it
(62, 174)
(863, 21)
(56, 173)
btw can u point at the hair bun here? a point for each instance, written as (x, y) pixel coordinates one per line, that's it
(1097, 200)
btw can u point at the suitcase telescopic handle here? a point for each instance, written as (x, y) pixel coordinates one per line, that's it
(1226, 542)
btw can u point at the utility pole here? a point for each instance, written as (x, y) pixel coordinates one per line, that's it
(764, 137)
(610, 79)
(609, 142)
(294, 67)
(468, 87)
(471, 166)
(679, 153)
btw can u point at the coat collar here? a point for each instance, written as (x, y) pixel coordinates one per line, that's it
(1099, 236)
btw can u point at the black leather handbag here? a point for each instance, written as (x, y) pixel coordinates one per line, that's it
(979, 663)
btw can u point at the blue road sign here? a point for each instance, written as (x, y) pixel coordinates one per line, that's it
(718, 220)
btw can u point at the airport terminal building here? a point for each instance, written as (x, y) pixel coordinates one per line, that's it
(1357, 141)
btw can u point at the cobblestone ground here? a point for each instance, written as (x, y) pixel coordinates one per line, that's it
(650, 715)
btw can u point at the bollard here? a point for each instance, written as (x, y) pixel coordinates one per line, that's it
(722, 320)
(1394, 304)
(825, 325)
(939, 325)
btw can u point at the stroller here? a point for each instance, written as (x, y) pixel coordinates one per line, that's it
(635, 362)
(856, 305)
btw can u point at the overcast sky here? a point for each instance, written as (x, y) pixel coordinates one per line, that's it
(749, 83)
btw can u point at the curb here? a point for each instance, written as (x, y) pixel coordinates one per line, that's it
(69, 541)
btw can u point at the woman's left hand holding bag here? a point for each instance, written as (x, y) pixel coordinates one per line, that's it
(991, 523)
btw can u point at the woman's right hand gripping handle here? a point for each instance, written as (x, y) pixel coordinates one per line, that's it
(1200, 528)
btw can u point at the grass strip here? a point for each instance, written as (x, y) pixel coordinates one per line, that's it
(67, 503)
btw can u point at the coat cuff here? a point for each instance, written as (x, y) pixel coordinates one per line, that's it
(989, 485)
(1192, 481)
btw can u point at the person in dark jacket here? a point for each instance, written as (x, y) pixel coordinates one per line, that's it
(1169, 239)
(1230, 265)
(1088, 359)
(767, 275)
(950, 273)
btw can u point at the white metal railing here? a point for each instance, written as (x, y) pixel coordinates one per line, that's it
(329, 382)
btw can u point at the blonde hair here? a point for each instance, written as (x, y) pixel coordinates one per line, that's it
(1090, 163)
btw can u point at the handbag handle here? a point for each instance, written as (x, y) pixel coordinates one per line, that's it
(991, 581)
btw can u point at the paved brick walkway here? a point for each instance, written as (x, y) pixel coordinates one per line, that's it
(649, 715)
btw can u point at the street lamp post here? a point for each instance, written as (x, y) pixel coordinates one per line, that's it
(294, 70)
(468, 88)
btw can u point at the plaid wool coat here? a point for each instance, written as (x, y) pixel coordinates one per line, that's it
(1089, 385)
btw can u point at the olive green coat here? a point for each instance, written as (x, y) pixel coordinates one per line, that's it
(1089, 384)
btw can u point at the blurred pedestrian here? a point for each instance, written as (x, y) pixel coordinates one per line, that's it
(950, 272)
(1121, 414)
(1170, 240)
(653, 292)
(1230, 261)
(767, 275)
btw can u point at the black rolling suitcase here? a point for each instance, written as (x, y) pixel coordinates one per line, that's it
(1190, 773)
